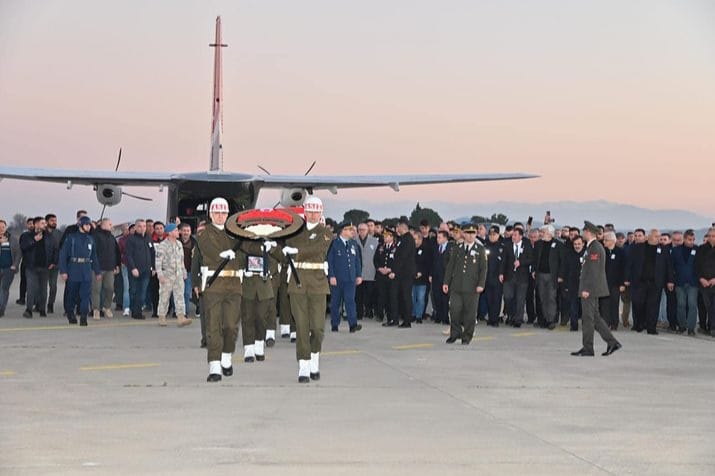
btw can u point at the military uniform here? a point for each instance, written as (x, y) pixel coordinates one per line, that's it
(307, 302)
(221, 303)
(78, 260)
(345, 265)
(466, 271)
(384, 257)
(171, 270)
(593, 280)
(258, 297)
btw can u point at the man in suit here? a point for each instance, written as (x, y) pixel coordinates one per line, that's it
(518, 256)
(615, 273)
(495, 267)
(464, 279)
(344, 274)
(548, 272)
(365, 293)
(440, 259)
(593, 285)
(404, 269)
(649, 269)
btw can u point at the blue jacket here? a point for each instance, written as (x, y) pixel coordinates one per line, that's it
(344, 261)
(79, 246)
(684, 264)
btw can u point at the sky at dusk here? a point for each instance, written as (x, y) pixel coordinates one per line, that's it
(607, 100)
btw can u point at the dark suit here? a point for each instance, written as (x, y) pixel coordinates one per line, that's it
(405, 270)
(440, 258)
(615, 276)
(548, 270)
(572, 275)
(494, 288)
(516, 281)
(648, 269)
(593, 281)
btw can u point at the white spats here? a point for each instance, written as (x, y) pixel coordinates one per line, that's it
(314, 362)
(271, 335)
(249, 351)
(293, 335)
(259, 347)
(215, 367)
(304, 368)
(226, 360)
(285, 329)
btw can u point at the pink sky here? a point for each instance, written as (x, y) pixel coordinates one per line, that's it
(606, 100)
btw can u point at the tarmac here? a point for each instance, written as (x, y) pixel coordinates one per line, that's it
(128, 397)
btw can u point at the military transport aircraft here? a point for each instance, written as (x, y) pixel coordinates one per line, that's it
(190, 193)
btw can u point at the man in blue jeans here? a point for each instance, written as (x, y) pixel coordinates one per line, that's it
(686, 283)
(344, 274)
(140, 263)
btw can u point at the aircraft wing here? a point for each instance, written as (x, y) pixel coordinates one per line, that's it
(86, 177)
(335, 182)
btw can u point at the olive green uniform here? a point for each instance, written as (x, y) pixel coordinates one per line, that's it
(258, 296)
(466, 271)
(593, 280)
(307, 302)
(221, 303)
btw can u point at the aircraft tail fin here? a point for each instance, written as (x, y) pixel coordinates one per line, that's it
(216, 162)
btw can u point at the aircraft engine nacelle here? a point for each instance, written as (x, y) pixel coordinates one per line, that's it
(293, 197)
(109, 195)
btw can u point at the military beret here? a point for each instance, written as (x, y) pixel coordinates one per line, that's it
(170, 227)
(588, 226)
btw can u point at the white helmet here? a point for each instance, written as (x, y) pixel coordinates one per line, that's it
(218, 205)
(313, 204)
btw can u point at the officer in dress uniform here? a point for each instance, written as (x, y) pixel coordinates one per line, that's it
(344, 274)
(464, 280)
(79, 265)
(307, 300)
(383, 259)
(221, 303)
(593, 285)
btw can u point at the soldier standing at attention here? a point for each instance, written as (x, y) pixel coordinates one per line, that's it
(464, 280)
(79, 266)
(171, 273)
(594, 285)
(221, 303)
(307, 301)
(344, 274)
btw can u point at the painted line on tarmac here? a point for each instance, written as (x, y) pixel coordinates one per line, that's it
(413, 346)
(341, 352)
(7, 373)
(121, 366)
(74, 326)
(523, 334)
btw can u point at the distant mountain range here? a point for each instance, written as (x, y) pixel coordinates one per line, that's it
(565, 213)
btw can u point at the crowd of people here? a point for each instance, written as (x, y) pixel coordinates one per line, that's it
(453, 274)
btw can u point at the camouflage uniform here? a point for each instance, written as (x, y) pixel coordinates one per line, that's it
(170, 267)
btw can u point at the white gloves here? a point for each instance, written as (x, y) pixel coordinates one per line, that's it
(269, 245)
(287, 250)
(228, 254)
